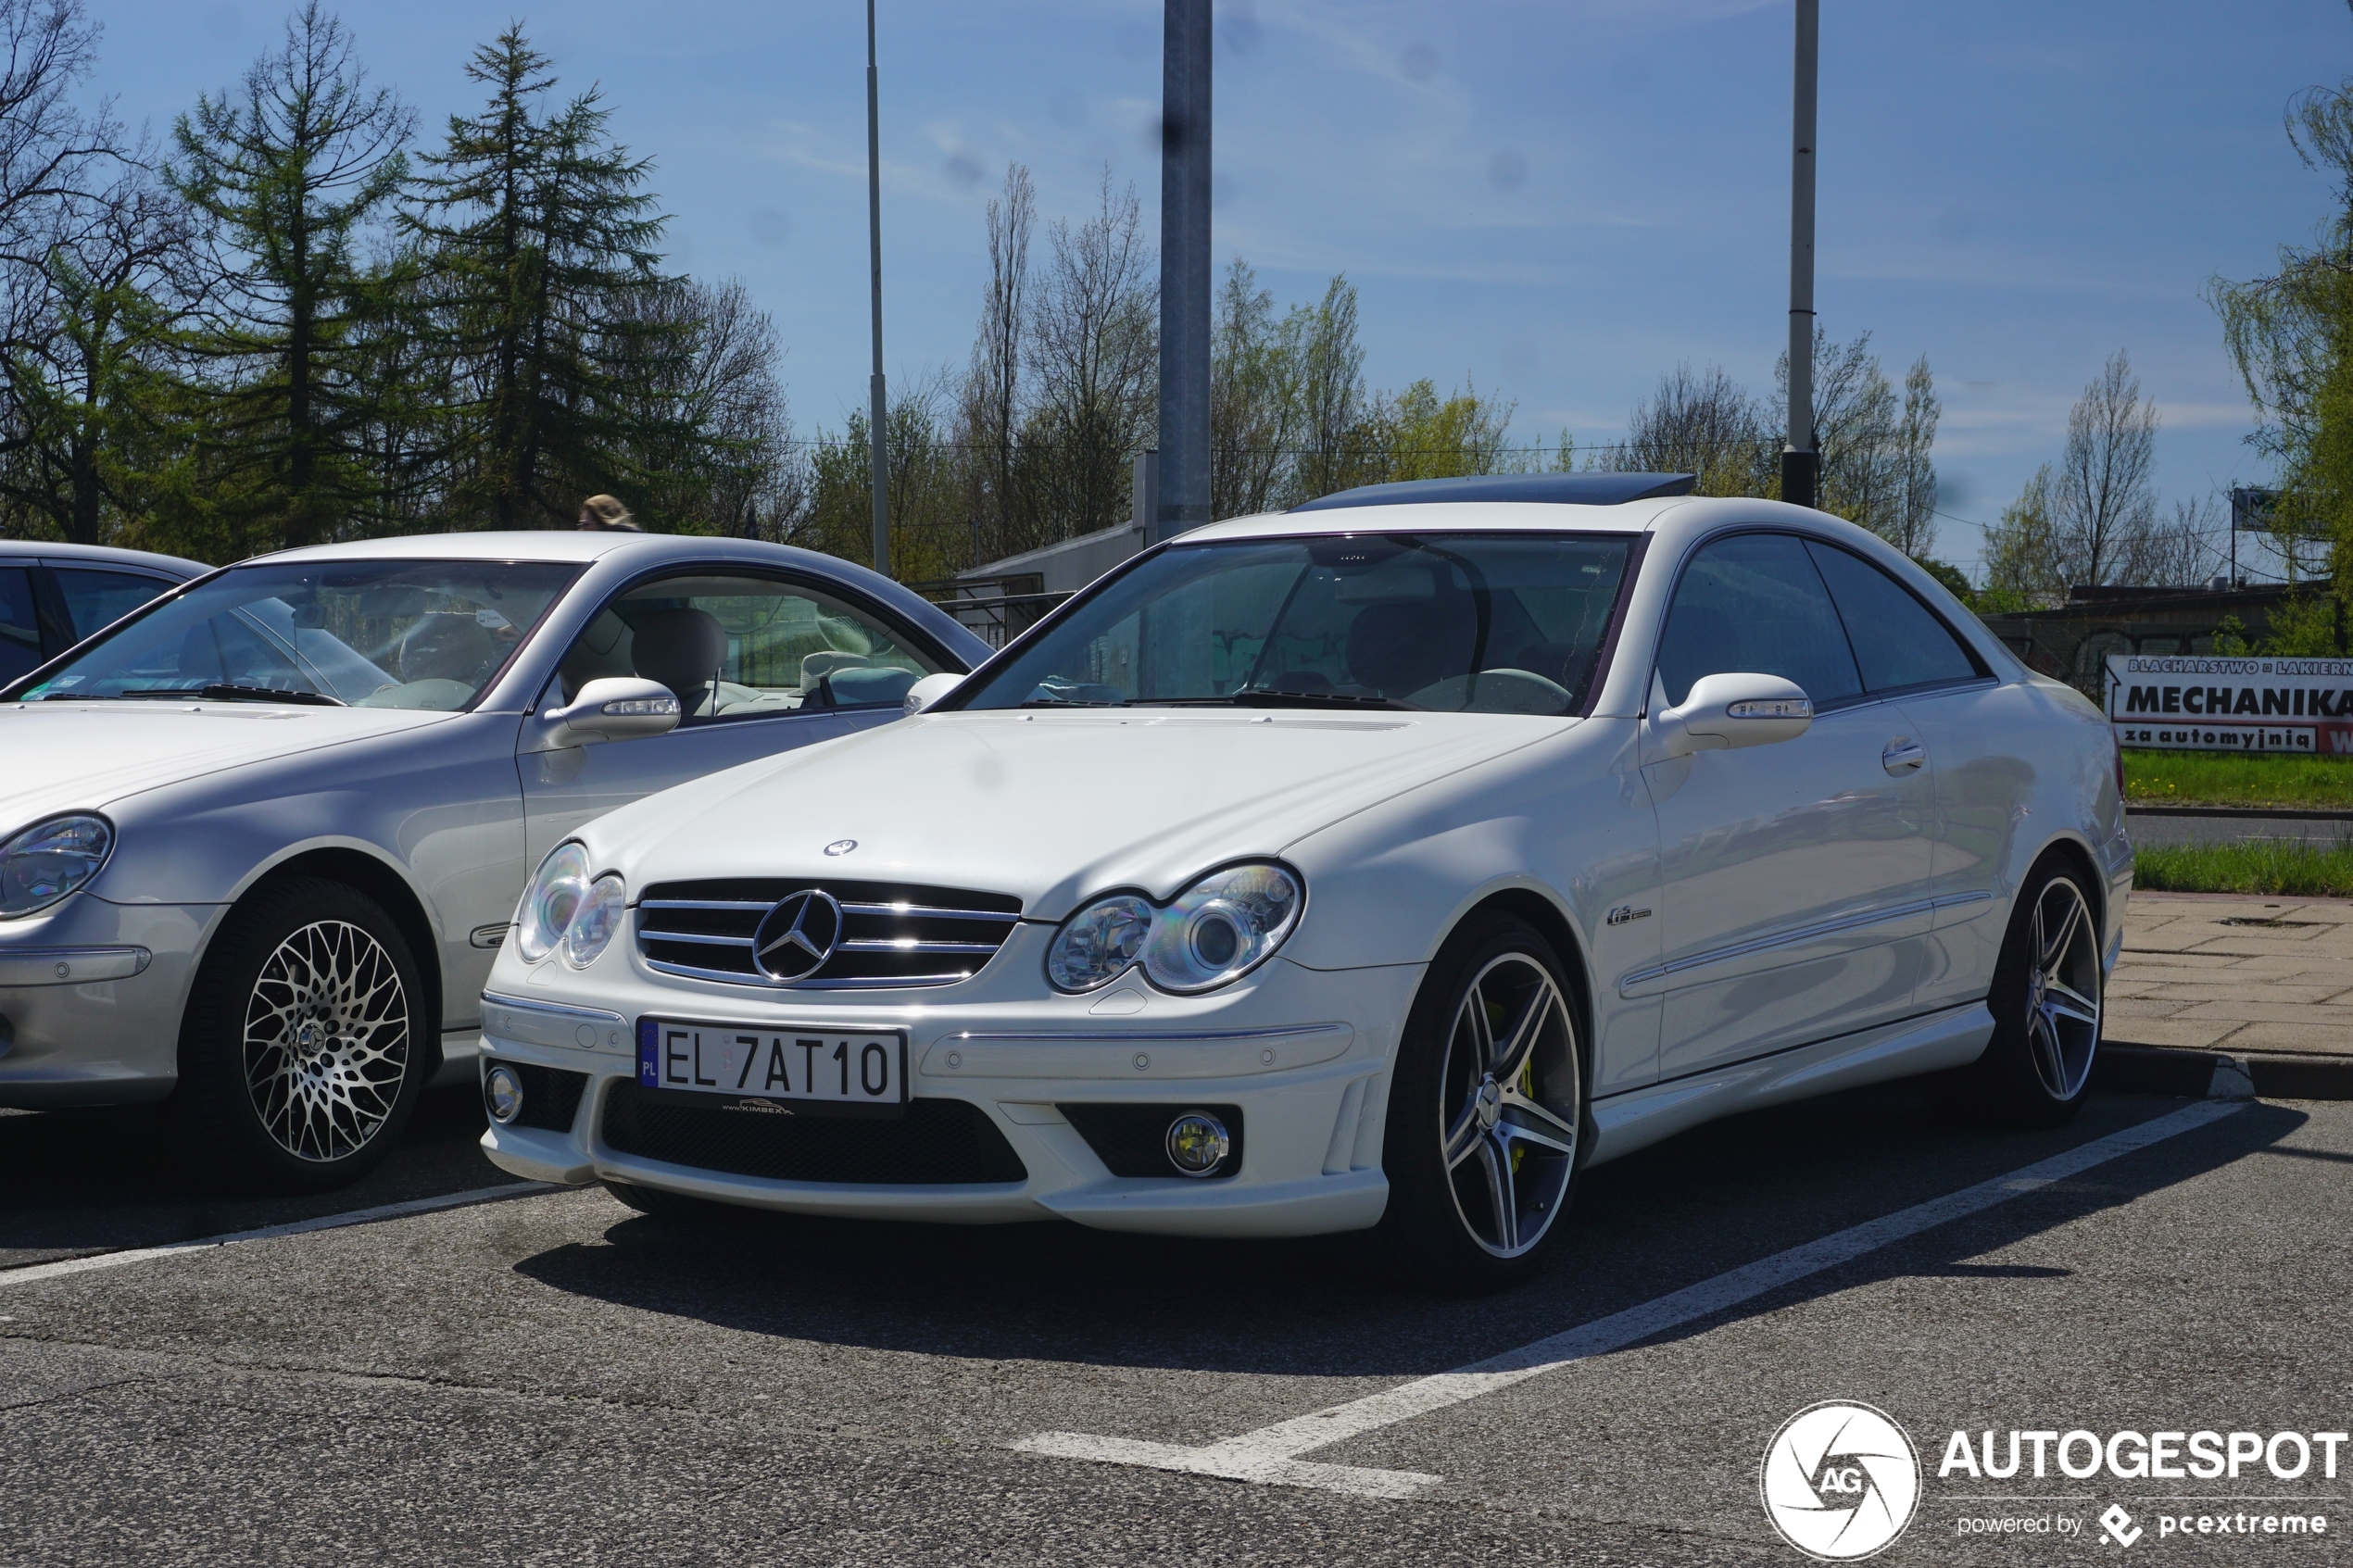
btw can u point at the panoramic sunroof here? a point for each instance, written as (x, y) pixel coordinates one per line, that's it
(1555, 489)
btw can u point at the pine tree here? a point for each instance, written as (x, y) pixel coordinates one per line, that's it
(542, 241)
(286, 176)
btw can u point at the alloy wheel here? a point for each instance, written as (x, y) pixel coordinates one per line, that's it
(326, 1040)
(2062, 989)
(1507, 1111)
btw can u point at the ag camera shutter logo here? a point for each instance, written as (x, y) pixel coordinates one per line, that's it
(1841, 1480)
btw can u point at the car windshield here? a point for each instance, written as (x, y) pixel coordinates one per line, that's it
(394, 633)
(1451, 622)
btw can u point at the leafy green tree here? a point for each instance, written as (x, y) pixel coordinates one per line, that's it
(285, 176)
(2291, 335)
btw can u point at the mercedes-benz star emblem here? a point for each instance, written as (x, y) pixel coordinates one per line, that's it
(797, 937)
(841, 846)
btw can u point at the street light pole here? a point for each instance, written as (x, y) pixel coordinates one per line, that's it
(881, 478)
(1801, 464)
(1183, 501)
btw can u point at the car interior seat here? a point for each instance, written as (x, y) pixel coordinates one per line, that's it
(448, 646)
(686, 649)
(1400, 648)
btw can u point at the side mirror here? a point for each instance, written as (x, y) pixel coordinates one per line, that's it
(1733, 709)
(617, 708)
(928, 690)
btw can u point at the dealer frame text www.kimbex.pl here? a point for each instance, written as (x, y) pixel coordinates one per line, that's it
(2225, 704)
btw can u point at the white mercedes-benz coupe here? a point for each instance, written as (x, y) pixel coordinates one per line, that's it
(261, 840)
(1381, 863)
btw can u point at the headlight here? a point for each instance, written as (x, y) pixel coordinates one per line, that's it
(1099, 943)
(550, 901)
(1218, 930)
(594, 922)
(43, 863)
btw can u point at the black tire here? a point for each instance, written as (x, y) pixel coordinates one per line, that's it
(302, 965)
(1477, 1128)
(2047, 1003)
(662, 1205)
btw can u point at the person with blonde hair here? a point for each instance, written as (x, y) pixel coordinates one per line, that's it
(605, 514)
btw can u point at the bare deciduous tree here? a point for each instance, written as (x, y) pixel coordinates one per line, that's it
(1096, 335)
(1701, 423)
(2102, 507)
(991, 411)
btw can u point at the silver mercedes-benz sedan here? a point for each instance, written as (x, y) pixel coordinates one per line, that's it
(260, 841)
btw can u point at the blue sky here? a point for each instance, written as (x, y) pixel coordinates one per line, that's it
(1553, 200)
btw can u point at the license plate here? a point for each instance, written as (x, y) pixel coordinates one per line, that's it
(830, 1069)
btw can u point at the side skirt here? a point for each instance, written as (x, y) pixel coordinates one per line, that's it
(1952, 1038)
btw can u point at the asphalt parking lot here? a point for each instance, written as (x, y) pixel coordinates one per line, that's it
(550, 1377)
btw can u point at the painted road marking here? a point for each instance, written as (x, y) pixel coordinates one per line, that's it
(298, 1227)
(1269, 1456)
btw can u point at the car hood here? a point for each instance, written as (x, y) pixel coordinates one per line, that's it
(86, 756)
(1052, 808)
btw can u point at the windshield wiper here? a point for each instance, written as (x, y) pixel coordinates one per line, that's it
(225, 692)
(1267, 697)
(1066, 702)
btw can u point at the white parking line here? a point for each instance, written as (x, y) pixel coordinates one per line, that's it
(1269, 1455)
(323, 1222)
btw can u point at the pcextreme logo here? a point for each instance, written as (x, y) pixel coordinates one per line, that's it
(1840, 1480)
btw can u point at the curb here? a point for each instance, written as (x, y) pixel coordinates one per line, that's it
(2216, 1076)
(2304, 813)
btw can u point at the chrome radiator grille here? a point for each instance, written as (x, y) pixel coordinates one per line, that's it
(854, 934)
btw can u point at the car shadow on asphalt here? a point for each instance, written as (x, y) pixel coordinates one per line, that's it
(1670, 1216)
(74, 1183)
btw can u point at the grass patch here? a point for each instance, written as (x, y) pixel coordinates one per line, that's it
(2269, 867)
(2206, 778)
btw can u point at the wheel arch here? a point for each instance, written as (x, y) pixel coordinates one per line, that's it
(381, 881)
(1554, 924)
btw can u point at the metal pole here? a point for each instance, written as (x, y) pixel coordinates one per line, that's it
(881, 475)
(1801, 464)
(1184, 270)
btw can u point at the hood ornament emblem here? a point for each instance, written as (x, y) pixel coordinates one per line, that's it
(797, 937)
(841, 846)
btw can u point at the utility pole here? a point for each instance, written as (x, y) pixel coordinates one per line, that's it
(873, 234)
(1801, 464)
(1184, 270)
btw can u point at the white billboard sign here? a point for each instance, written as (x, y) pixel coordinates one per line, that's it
(2233, 704)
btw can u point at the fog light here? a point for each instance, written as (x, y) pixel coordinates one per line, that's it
(1197, 1143)
(502, 1096)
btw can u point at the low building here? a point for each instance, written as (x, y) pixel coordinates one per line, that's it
(2072, 640)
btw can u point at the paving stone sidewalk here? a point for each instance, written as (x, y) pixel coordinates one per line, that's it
(2246, 977)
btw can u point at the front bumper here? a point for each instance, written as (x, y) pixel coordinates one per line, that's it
(1302, 1053)
(90, 1000)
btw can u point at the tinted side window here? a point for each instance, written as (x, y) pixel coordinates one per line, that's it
(1754, 603)
(1898, 642)
(19, 630)
(99, 599)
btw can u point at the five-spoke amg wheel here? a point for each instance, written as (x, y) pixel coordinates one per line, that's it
(2045, 1000)
(1486, 1112)
(306, 1042)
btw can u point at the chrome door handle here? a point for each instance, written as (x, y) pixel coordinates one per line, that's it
(1903, 756)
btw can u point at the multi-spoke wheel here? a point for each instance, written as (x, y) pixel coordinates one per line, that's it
(306, 1040)
(327, 1040)
(1486, 1110)
(2045, 1000)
